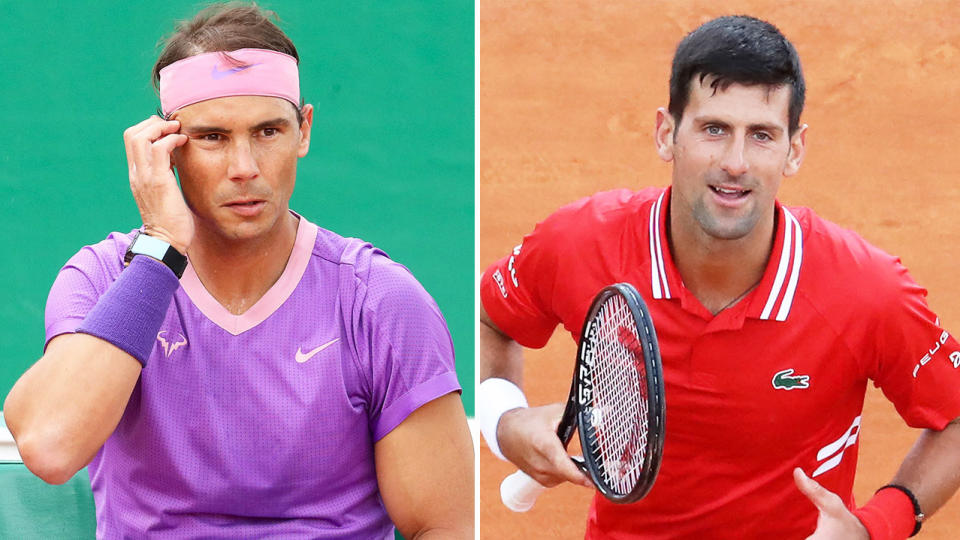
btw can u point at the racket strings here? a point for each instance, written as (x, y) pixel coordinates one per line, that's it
(619, 416)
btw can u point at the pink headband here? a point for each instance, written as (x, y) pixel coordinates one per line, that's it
(260, 72)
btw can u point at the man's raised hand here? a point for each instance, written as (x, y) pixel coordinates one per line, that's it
(149, 146)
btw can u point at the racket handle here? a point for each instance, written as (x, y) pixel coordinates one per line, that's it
(519, 491)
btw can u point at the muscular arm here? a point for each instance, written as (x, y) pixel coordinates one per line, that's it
(64, 407)
(499, 356)
(527, 436)
(931, 469)
(425, 472)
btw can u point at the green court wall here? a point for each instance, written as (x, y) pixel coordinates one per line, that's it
(391, 159)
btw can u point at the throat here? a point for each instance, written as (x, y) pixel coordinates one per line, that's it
(717, 303)
(721, 273)
(238, 288)
(238, 275)
(720, 283)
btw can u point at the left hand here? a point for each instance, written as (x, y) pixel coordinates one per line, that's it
(835, 520)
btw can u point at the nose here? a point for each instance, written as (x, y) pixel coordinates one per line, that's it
(243, 162)
(733, 160)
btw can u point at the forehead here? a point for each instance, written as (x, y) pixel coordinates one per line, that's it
(738, 103)
(236, 111)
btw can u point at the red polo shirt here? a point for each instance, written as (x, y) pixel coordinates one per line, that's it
(774, 382)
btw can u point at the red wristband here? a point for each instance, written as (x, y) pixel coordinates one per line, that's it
(888, 515)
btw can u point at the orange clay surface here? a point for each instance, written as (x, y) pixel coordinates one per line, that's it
(567, 93)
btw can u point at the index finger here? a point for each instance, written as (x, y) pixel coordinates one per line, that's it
(568, 470)
(128, 135)
(154, 127)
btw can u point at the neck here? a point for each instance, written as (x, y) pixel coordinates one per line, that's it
(719, 272)
(237, 273)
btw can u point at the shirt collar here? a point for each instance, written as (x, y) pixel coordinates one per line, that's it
(660, 263)
(774, 296)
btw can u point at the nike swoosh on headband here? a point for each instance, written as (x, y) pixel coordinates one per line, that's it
(217, 74)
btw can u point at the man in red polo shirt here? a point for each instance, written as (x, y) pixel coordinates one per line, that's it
(771, 322)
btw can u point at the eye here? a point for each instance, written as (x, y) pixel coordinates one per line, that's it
(762, 136)
(270, 132)
(213, 137)
(713, 130)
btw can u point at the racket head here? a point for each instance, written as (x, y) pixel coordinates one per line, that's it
(620, 398)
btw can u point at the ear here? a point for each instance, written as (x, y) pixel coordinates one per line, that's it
(798, 148)
(304, 144)
(663, 136)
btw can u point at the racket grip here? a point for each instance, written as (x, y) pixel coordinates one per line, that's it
(519, 491)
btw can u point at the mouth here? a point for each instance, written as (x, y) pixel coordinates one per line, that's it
(729, 192)
(250, 202)
(246, 207)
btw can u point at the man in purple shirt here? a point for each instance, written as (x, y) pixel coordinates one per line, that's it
(231, 369)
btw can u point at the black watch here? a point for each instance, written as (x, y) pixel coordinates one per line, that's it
(144, 244)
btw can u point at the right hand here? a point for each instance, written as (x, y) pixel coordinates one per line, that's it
(165, 214)
(528, 438)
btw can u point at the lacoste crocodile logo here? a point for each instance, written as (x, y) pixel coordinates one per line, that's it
(786, 380)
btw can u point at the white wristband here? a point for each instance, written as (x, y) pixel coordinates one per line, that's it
(495, 397)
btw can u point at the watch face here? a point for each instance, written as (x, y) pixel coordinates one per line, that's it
(144, 244)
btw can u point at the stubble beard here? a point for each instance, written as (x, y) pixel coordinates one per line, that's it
(724, 227)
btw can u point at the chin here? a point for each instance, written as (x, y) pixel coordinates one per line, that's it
(240, 230)
(728, 233)
(727, 228)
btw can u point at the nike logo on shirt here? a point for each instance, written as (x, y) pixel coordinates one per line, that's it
(303, 357)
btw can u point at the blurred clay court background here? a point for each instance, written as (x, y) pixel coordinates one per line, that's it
(566, 97)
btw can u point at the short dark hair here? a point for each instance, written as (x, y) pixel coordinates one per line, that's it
(736, 49)
(225, 27)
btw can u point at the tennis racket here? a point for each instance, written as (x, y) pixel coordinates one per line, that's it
(616, 403)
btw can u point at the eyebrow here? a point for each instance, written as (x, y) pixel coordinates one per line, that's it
(276, 122)
(273, 122)
(766, 127)
(750, 127)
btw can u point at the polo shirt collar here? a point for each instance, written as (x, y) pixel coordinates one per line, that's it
(773, 297)
(664, 278)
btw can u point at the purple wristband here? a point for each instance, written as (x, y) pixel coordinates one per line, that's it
(130, 313)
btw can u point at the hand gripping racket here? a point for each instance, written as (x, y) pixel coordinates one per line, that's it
(616, 403)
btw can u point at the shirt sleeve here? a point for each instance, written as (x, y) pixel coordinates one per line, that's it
(551, 276)
(515, 291)
(406, 344)
(916, 360)
(78, 286)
